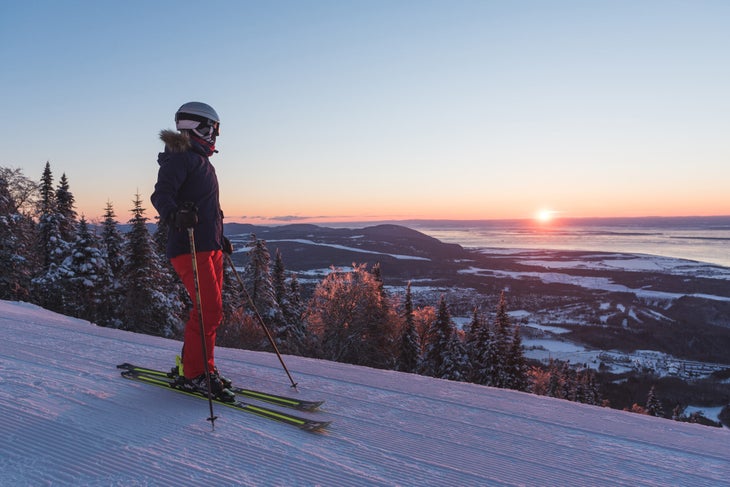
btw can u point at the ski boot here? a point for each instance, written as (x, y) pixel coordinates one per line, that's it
(218, 391)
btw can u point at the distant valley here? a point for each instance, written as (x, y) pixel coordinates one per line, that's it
(592, 301)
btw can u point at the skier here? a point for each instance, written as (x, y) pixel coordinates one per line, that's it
(186, 196)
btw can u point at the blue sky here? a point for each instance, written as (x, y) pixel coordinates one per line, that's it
(358, 110)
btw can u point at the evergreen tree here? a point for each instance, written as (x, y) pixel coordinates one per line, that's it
(112, 240)
(410, 348)
(471, 345)
(567, 382)
(471, 329)
(149, 305)
(46, 286)
(231, 332)
(516, 363)
(678, 413)
(65, 210)
(174, 285)
(481, 351)
(444, 357)
(579, 392)
(258, 274)
(295, 310)
(51, 245)
(378, 275)
(160, 237)
(88, 279)
(48, 194)
(278, 279)
(382, 329)
(459, 359)
(554, 383)
(653, 405)
(291, 333)
(16, 234)
(592, 394)
(261, 289)
(502, 344)
(296, 303)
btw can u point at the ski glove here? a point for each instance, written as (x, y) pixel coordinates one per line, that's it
(186, 216)
(227, 246)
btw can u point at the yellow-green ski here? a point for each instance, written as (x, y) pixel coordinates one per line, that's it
(163, 381)
(275, 399)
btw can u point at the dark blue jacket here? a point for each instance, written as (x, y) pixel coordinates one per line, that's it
(186, 174)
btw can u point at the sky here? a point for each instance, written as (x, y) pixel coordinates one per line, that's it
(380, 110)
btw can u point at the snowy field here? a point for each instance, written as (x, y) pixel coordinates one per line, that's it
(70, 419)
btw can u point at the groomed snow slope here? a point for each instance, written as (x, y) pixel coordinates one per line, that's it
(68, 418)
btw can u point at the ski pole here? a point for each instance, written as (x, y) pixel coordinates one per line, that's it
(260, 320)
(191, 235)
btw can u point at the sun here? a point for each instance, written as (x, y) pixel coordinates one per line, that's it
(544, 215)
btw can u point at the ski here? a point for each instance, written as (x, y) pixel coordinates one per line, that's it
(277, 400)
(281, 417)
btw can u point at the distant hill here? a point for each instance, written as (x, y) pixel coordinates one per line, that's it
(305, 247)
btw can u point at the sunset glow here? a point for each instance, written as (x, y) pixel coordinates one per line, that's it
(544, 216)
(450, 114)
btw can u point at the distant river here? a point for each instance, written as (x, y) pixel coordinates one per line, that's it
(704, 239)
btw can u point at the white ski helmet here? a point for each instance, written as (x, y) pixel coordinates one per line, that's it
(199, 117)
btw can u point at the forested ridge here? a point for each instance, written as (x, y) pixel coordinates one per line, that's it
(53, 257)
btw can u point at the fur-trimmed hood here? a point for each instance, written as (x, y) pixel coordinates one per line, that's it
(175, 141)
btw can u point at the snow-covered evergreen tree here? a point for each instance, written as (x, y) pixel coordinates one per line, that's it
(481, 350)
(297, 308)
(17, 231)
(262, 305)
(88, 279)
(258, 278)
(410, 348)
(445, 357)
(46, 286)
(174, 285)
(567, 382)
(592, 394)
(653, 405)
(51, 245)
(278, 279)
(383, 327)
(149, 306)
(555, 371)
(230, 332)
(67, 217)
(502, 344)
(516, 364)
(112, 240)
(291, 334)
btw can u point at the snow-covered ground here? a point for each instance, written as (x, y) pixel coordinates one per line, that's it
(589, 282)
(68, 418)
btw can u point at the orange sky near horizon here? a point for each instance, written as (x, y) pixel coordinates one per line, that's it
(385, 110)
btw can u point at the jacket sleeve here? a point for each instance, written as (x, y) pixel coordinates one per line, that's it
(170, 178)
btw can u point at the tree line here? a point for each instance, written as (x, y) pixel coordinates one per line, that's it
(51, 256)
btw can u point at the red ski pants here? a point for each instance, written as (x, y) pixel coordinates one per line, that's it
(210, 276)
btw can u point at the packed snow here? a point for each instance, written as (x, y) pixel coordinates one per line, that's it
(69, 418)
(351, 249)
